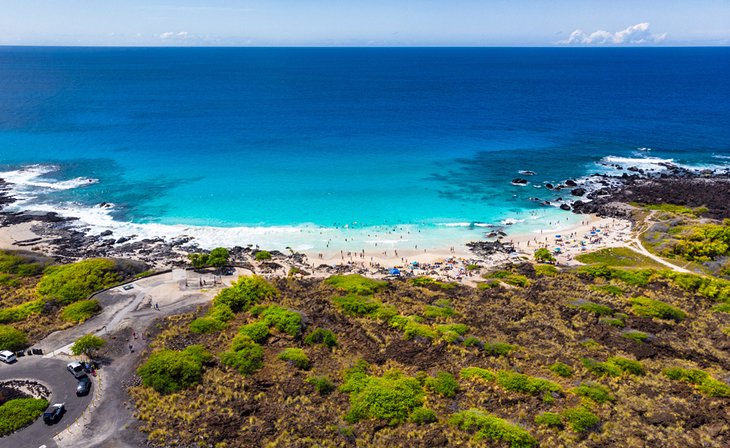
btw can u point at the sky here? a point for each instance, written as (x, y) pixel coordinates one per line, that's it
(365, 22)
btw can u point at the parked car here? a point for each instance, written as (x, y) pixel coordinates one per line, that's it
(7, 356)
(54, 413)
(84, 386)
(76, 369)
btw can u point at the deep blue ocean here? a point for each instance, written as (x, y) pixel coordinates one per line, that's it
(281, 137)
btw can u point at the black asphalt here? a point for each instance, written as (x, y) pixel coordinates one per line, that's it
(53, 374)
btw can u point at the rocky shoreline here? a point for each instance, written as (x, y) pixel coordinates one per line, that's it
(601, 194)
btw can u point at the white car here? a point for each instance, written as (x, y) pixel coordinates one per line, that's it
(76, 369)
(7, 356)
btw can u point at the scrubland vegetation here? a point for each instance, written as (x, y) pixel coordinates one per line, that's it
(599, 356)
(38, 297)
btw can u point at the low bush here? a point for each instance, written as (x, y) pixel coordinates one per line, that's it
(477, 372)
(245, 293)
(580, 419)
(358, 305)
(518, 382)
(257, 331)
(613, 366)
(262, 255)
(207, 324)
(422, 416)
(443, 384)
(80, 311)
(19, 413)
(488, 426)
(451, 332)
(596, 392)
(646, 307)
(12, 339)
(636, 335)
(245, 355)
(613, 321)
(321, 336)
(546, 270)
(71, 282)
(413, 328)
(440, 308)
(704, 382)
(498, 348)
(356, 284)
(473, 341)
(295, 357)
(595, 308)
(549, 419)
(392, 397)
(284, 320)
(169, 371)
(561, 369)
(322, 384)
(21, 312)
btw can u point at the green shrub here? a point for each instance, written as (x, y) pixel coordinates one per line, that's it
(488, 285)
(636, 335)
(549, 419)
(561, 369)
(613, 366)
(596, 392)
(704, 382)
(245, 355)
(488, 426)
(580, 419)
(257, 331)
(443, 384)
(477, 372)
(284, 320)
(517, 280)
(169, 371)
(518, 382)
(451, 332)
(296, 357)
(413, 328)
(613, 321)
(12, 339)
(207, 324)
(422, 416)
(646, 307)
(498, 348)
(356, 284)
(87, 345)
(357, 305)
(546, 270)
(72, 282)
(473, 341)
(322, 384)
(263, 255)
(392, 397)
(80, 311)
(722, 308)
(635, 277)
(19, 413)
(321, 336)
(18, 265)
(595, 308)
(21, 312)
(543, 255)
(245, 293)
(440, 308)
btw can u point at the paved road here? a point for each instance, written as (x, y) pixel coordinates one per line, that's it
(53, 374)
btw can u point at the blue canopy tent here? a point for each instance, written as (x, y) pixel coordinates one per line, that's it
(395, 271)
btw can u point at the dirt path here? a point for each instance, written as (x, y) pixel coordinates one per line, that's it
(636, 245)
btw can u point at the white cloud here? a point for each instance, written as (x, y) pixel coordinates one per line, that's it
(633, 35)
(173, 35)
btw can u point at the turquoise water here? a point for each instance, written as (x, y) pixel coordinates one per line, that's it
(282, 144)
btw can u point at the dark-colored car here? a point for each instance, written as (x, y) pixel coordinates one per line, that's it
(84, 386)
(54, 413)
